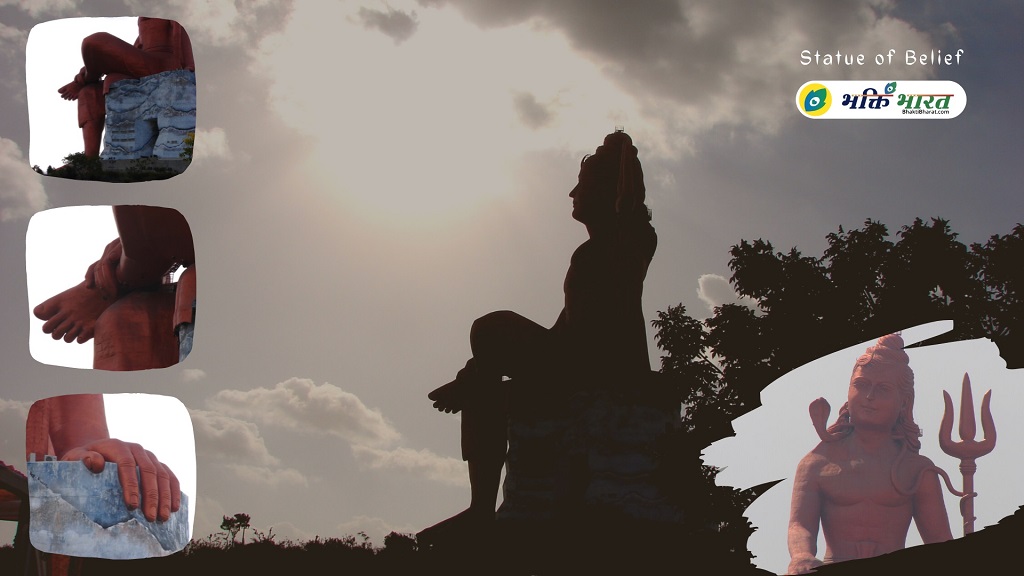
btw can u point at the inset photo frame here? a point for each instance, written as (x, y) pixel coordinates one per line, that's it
(110, 287)
(83, 502)
(111, 99)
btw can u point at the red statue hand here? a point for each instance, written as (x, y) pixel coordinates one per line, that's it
(102, 274)
(161, 492)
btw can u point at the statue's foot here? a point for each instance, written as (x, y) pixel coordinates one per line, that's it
(72, 314)
(70, 90)
(463, 527)
(451, 397)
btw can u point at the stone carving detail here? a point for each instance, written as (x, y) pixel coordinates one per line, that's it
(78, 513)
(600, 454)
(150, 116)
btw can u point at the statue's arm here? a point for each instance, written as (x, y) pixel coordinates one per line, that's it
(804, 518)
(930, 510)
(184, 46)
(76, 420)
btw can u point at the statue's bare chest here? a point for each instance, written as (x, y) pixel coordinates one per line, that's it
(851, 480)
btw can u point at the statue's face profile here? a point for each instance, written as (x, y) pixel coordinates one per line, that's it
(874, 397)
(592, 200)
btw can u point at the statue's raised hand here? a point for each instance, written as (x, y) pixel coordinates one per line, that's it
(102, 274)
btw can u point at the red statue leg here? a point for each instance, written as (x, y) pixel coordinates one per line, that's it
(135, 333)
(91, 115)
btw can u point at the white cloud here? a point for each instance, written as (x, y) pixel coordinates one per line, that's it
(211, 144)
(237, 446)
(299, 404)
(419, 462)
(13, 415)
(22, 193)
(375, 528)
(264, 475)
(17, 408)
(714, 290)
(12, 40)
(209, 514)
(288, 531)
(223, 438)
(192, 375)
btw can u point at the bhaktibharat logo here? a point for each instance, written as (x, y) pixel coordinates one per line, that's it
(813, 99)
(866, 99)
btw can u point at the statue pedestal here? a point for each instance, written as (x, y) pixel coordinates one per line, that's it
(150, 116)
(593, 455)
(78, 513)
(136, 333)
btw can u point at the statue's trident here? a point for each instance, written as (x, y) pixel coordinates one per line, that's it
(968, 449)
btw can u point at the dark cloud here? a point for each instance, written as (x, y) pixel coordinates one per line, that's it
(531, 112)
(220, 23)
(702, 63)
(394, 24)
(37, 8)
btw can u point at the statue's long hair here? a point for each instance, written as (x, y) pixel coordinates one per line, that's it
(888, 352)
(616, 161)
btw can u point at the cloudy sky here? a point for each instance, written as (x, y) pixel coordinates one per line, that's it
(370, 177)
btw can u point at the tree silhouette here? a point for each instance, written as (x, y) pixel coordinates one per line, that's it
(864, 285)
(232, 524)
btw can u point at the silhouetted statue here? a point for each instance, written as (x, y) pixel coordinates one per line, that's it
(599, 338)
(139, 321)
(866, 481)
(162, 45)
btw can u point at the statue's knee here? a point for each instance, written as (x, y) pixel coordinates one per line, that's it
(487, 327)
(93, 41)
(97, 43)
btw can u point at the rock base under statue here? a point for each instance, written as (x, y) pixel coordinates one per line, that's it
(597, 455)
(78, 513)
(150, 116)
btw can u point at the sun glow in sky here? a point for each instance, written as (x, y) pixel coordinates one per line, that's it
(401, 137)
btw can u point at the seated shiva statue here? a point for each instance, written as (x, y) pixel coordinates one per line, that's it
(598, 339)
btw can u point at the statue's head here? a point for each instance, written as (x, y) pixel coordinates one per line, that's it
(881, 393)
(611, 183)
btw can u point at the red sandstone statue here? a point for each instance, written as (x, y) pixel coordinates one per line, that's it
(598, 339)
(74, 427)
(162, 45)
(121, 302)
(866, 481)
